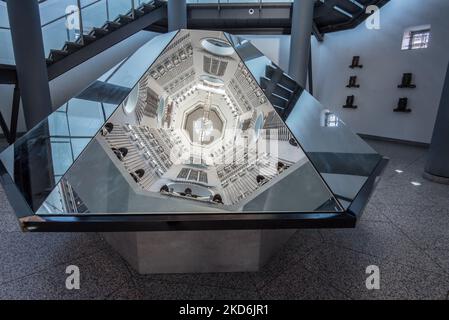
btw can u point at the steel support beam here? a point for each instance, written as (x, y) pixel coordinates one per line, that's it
(177, 14)
(241, 18)
(28, 46)
(437, 168)
(310, 72)
(302, 21)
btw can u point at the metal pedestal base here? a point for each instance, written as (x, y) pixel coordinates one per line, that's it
(436, 179)
(198, 251)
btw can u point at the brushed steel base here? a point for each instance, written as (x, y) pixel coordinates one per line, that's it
(198, 251)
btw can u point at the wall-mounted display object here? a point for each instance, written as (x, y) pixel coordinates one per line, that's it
(402, 106)
(350, 103)
(353, 82)
(407, 81)
(356, 63)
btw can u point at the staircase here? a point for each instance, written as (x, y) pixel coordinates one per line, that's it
(281, 90)
(97, 33)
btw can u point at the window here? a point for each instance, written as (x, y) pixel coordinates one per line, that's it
(331, 120)
(416, 38)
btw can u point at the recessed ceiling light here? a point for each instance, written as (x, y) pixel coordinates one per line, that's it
(416, 184)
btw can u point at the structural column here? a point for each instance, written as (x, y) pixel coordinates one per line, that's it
(437, 168)
(177, 14)
(302, 21)
(26, 33)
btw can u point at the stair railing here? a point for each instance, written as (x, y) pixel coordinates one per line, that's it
(80, 17)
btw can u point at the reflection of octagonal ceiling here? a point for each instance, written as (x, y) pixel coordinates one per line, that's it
(199, 123)
(203, 125)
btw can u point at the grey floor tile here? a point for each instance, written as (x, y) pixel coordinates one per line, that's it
(375, 211)
(214, 293)
(297, 283)
(161, 290)
(8, 220)
(410, 188)
(346, 270)
(225, 280)
(427, 226)
(100, 275)
(27, 253)
(440, 256)
(382, 240)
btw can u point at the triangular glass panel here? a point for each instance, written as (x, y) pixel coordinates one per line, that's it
(211, 128)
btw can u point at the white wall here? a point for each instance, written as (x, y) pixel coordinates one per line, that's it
(384, 63)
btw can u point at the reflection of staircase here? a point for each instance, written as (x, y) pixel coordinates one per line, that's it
(281, 90)
(107, 28)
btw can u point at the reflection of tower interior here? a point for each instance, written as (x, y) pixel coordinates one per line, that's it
(198, 126)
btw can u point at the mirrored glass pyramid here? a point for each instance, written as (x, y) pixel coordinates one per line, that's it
(212, 127)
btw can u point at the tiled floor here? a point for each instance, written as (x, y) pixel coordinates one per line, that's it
(405, 231)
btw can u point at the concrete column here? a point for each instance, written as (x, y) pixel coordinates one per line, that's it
(302, 21)
(177, 14)
(26, 33)
(437, 168)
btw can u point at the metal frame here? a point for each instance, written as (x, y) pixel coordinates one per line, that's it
(11, 132)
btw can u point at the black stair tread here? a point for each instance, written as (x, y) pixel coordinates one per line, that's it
(98, 32)
(111, 25)
(147, 7)
(59, 52)
(72, 46)
(123, 19)
(87, 38)
(138, 13)
(56, 55)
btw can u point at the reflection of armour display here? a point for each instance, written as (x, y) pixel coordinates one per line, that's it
(260, 178)
(217, 198)
(108, 127)
(138, 174)
(120, 153)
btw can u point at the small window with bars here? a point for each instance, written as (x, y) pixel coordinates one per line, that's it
(331, 120)
(416, 38)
